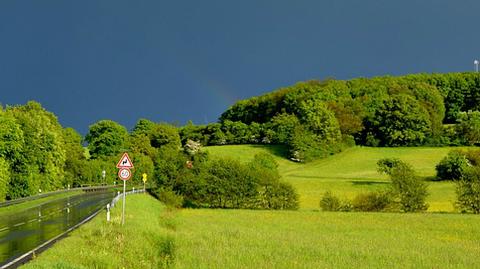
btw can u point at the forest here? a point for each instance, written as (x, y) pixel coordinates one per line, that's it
(318, 118)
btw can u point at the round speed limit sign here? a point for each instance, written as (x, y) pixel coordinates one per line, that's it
(124, 174)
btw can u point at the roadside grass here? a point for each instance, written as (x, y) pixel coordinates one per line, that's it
(11, 209)
(351, 172)
(302, 239)
(145, 241)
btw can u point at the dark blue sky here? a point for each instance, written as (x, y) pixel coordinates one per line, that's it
(179, 60)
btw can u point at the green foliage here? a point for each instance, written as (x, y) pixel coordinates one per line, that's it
(320, 120)
(168, 197)
(4, 178)
(468, 191)
(410, 190)
(385, 165)
(372, 201)
(165, 135)
(468, 127)
(283, 127)
(330, 202)
(106, 138)
(40, 164)
(453, 166)
(401, 121)
(143, 164)
(143, 127)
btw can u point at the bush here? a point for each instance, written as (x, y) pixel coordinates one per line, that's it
(168, 197)
(452, 166)
(330, 202)
(385, 166)
(468, 192)
(372, 201)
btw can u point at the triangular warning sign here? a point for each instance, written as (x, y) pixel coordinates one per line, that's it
(125, 162)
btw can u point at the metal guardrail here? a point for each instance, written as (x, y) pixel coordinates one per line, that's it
(47, 194)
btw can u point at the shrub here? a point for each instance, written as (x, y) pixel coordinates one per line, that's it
(168, 197)
(386, 165)
(330, 202)
(410, 189)
(452, 166)
(468, 192)
(372, 201)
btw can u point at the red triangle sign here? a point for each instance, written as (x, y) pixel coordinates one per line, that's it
(125, 162)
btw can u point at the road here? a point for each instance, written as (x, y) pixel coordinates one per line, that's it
(24, 230)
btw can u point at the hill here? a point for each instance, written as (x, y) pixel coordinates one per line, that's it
(350, 172)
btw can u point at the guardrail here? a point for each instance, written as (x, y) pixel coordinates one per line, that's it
(47, 194)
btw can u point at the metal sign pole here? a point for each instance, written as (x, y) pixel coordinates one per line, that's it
(123, 210)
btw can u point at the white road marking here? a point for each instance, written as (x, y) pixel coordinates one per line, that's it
(18, 224)
(4, 229)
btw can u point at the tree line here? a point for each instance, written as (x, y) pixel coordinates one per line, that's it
(38, 155)
(318, 118)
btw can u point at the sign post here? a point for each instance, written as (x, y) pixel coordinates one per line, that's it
(124, 174)
(144, 178)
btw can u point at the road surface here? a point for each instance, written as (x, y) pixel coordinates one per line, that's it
(24, 230)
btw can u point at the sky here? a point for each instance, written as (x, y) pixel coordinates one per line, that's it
(174, 61)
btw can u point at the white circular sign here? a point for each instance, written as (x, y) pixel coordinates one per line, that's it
(124, 174)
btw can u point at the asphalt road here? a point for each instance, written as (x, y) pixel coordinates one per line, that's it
(22, 231)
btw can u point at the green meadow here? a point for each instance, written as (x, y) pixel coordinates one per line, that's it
(351, 172)
(155, 237)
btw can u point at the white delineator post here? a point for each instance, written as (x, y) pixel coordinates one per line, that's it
(108, 212)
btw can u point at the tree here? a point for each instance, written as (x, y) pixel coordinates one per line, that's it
(165, 135)
(469, 127)
(401, 121)
(468, 191)
(106, 138)
(75, 153)
(4, 178)
(320, 120)
(43, 153)
(410, 189)
(143, 127)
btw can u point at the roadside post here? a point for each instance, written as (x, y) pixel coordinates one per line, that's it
(124, 174)
(144, 179)
(108, 212)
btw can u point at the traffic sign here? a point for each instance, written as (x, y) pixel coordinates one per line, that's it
(125, 162)
(144, 177)
(124, 174)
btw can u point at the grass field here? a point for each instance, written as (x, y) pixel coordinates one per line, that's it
(300, 239)
(154, 237)
(350, 172)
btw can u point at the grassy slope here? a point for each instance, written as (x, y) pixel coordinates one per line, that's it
(154, 237)
(350, 172)
(276, 239)
(146, 240)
